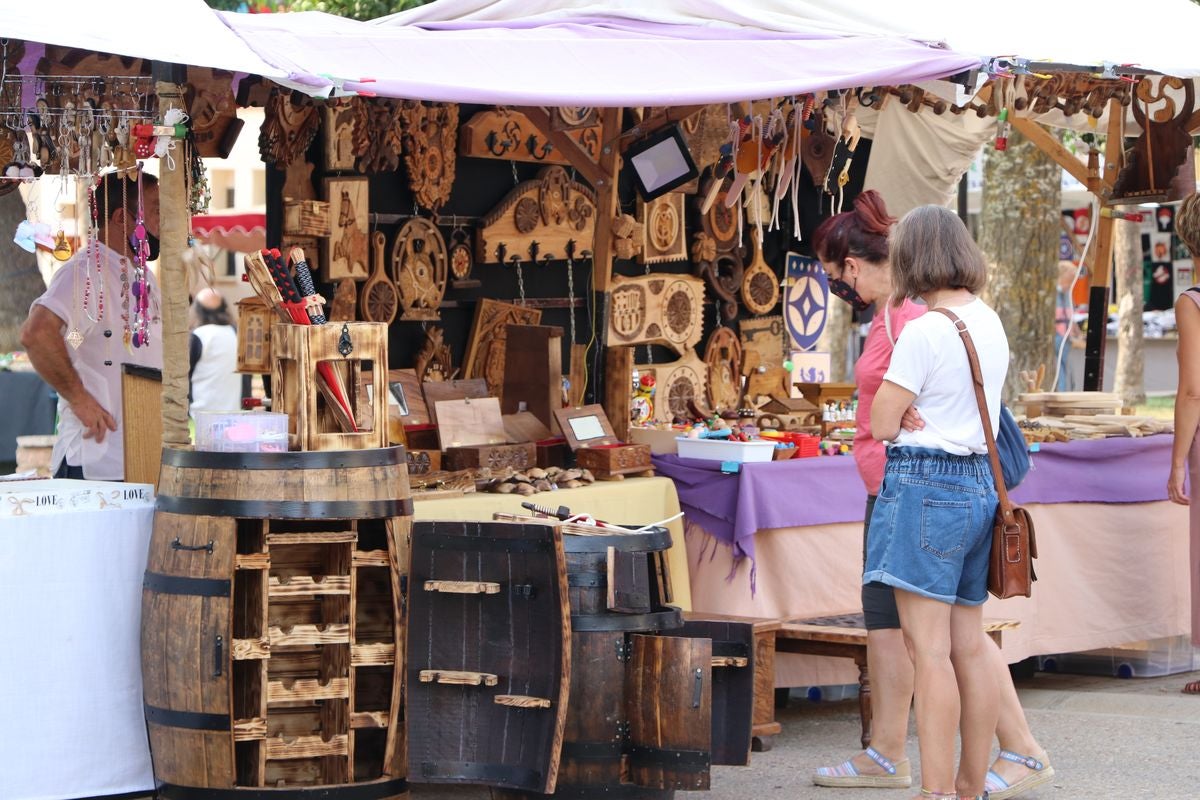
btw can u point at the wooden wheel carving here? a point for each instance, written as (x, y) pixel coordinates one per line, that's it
(760, 285)
(575, 116)
(420, 264)
(723, 354)
(379, 300)
(686, 388)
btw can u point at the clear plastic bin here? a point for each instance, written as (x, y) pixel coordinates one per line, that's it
(1148, 659)
(242, 432)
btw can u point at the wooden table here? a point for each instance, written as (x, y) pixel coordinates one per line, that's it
(845, 636)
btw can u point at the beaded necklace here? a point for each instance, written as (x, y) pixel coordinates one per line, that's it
(127, 336)
(141, 286)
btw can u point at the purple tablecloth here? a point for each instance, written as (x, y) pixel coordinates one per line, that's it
(819, 491)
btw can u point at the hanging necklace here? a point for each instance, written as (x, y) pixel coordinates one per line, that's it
(92, 256)
(141, 286)
(127, 336)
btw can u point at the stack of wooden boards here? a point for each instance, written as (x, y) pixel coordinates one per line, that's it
(1063, 416)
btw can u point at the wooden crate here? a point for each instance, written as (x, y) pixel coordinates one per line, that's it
(299, 392)
(305, 218)
(590, 435)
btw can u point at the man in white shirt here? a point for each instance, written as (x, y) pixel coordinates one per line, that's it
(215, 384)
(84, 327)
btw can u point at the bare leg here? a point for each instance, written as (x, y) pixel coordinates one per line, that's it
(926, 625)
(974, 672)
(1012, 728)
(891, 673)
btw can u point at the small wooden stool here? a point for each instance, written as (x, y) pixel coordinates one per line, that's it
(845, 636)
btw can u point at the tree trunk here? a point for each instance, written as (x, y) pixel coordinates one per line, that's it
(1130, 380)
(835, 339)
(1018, 233)
(20, 280)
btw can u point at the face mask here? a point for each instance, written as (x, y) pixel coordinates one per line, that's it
(848, 293)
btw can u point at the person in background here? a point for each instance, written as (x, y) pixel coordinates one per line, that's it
(87, 377)
(1064, 320)
(215, 384)
(1185, 454)
(853, 249)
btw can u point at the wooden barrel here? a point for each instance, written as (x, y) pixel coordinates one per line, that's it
(272, 625)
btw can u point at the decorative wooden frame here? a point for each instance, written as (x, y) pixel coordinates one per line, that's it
(347, 252)
(485, 349)
(656, 309)
(678, 384)
(507, 134)
(552, 217)
(664, 237)
(420, 265)
(428, 131)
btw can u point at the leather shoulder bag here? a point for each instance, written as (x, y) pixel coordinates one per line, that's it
(1010, 567)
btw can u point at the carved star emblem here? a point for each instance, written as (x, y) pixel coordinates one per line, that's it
(75, 338)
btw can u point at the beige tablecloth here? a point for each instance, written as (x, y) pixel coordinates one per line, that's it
(1108, 574)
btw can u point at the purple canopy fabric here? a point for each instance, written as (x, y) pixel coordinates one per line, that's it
(596, 62)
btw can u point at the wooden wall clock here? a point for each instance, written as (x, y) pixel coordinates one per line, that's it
(663, 235)
(678, 385)
(428, 134)
(656, 309)
(723, 355)
(379, 299)
(420, 264)
(485, 350)
(760, 284)
(549, 218)
(462, 259)
(508, 134)
(348, 248)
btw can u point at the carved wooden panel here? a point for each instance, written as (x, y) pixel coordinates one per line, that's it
(723, 355)
(509, 135)
(567, 117)
(656, 309)
(678, 385)
(540, 220)
(289, 126)
(434, 361)
(376, 141)
(663, 235)
(428, 131)
(762, 342)
(485, 350)
(340, 118)
(347, 245)
(760, 284)
(420, 264)
(1154, 159)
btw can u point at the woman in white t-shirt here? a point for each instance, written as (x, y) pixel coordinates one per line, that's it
(937, 501)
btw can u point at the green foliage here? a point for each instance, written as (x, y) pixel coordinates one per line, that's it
(355, 9)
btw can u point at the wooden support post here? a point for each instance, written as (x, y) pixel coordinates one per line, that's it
(606, 202)
(580, 160)
(172, 270)
(1100, 263)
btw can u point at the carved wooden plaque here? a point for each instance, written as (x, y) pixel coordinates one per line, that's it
(428, 131)
(656, 309)
(376, 142)
(549, 218)
(509, 135)
(663, 236)
(213, 111)
(434, 361)
(762, 342)
(347, 246)
(677, 385)
(288, 129)
(339, 128)
(723, 355)
(1151, 164)
(420, 264)
(485, 350)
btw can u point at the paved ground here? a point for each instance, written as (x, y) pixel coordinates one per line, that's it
(1106, 737)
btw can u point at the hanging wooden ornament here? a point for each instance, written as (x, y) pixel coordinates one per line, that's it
(663, 235)
(341, 117)
(379, 300)
(212, 111)
(656, 309)
(290, 123)
(719, 222)
(462, 260)
(552, 217)
(420, 264)
(760, 284)
(721, 271)
(433, 362)
(1153, 161)
(507, 134)
(428, 134)
(817, 150)
(723, 355)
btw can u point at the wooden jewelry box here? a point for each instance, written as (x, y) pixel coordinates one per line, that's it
(472, 435)
(590, 435)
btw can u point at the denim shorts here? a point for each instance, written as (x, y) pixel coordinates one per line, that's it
(931, 530)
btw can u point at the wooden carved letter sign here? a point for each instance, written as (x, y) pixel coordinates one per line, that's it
(550, 218)
(657, 309)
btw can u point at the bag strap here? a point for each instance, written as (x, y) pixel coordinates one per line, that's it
(981, 401)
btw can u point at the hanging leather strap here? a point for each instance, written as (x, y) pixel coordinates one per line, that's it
(981, 400)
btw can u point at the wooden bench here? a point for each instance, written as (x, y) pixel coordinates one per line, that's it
(845, 636)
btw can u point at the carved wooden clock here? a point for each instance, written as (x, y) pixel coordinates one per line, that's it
(723, 355)
(379, 300)
(656, 309)
(420, 264)
(678, 385)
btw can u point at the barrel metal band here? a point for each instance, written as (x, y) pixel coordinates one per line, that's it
(654, 621)
(480, 544)
(285, 509)
(501, 775)
(192, 720)
(592, 751)
(587, 580)
(309, 459)
(182, 584)
(375, 790)
(689, 760)
(651, 540)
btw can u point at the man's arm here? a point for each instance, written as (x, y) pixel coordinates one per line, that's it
(42, 338)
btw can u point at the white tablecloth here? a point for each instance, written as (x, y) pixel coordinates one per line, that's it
(72, 554)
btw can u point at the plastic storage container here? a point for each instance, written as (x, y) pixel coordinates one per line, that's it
(722, 450)
(242, 432)
(1148, 659)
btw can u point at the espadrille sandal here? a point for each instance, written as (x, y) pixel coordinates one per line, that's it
(846, 775)
(1040, 772)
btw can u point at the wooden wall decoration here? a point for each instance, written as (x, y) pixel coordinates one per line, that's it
(341, 117)
(663, 235)
(723, 272)
(420, 264)
(549, 218)
(290, 123)
(762, 342)
(348, 248)
(760, 284)
(462, 259)
(485, 350)
(567, 117)
(344, 307)
(678, 385)
(1151, 164)
(509, 135)
(379, 299)
(297, 182)
(723, 355)
(718, 221)
(428, 131)
(434, 363)
(377, 142)
(656, 309)
(213, 111)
